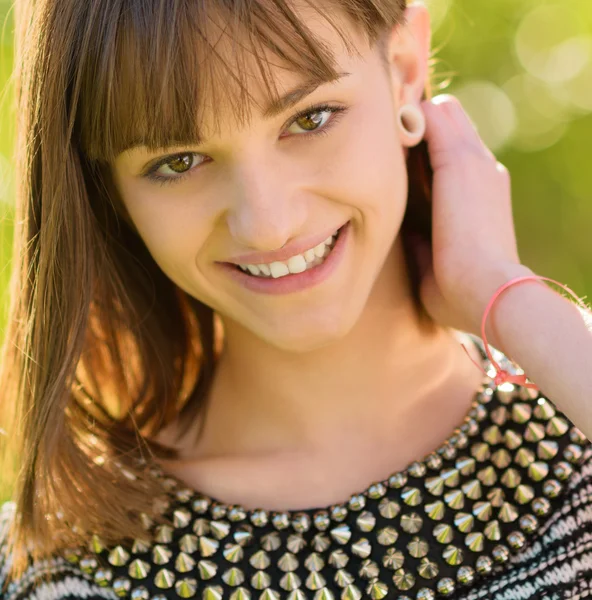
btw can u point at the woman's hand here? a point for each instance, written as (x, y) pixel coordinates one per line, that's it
(474, 253)
(474, 242)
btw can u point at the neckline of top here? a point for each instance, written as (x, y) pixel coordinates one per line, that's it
(457, 439)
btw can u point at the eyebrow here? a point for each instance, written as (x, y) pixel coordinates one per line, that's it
(291, 98)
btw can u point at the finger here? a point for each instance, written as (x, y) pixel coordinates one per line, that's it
(449, 127)
(464, 123)
(456, 111)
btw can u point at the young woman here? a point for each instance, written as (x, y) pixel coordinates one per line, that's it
(253, 258)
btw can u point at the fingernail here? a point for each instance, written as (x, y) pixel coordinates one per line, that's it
(441, 99)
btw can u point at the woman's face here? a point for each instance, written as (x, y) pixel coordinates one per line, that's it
(279, 181)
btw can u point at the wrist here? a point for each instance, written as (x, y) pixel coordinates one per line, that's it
(495, 279)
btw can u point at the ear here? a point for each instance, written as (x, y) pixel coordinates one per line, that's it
(408, 53)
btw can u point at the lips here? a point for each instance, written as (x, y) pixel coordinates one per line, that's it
(294, 282)
(310, 264)
(293, 248)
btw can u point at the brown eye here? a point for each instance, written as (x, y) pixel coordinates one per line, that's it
(310, 121)
(174, 167)
(316, 120)
(181, 163)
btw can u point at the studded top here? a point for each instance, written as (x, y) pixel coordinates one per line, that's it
(464, 519)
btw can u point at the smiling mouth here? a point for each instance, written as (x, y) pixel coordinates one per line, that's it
(300, 263)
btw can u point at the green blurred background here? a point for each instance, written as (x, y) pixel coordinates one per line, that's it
(523, 71)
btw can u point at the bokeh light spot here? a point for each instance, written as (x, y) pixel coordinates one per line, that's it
(552, 43)
(541, 115)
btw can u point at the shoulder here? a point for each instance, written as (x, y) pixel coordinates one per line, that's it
(53, 578)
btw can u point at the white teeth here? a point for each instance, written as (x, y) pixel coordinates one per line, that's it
(253, 269)
(319, 250)
(278, 269)
(309, 255)
(295, 264)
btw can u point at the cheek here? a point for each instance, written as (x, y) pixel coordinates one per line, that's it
(172, 240)
(169, 227)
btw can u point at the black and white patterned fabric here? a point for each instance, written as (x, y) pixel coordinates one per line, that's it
(501, 510)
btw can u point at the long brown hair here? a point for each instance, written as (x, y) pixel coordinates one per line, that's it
(102, 349)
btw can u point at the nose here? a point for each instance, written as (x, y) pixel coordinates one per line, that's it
(264, 213)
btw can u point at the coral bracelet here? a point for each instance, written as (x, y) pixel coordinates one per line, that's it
(503, 376)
